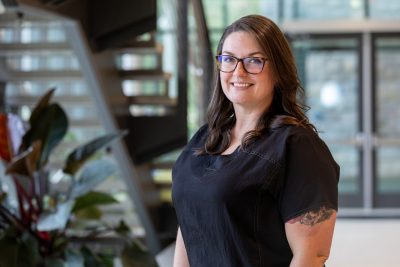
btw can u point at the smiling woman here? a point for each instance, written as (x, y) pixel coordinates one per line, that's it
(255, 186)
(249, 84)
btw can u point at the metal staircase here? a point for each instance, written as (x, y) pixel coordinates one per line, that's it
(107, 79)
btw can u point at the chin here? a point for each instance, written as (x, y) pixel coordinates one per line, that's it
(243, 103)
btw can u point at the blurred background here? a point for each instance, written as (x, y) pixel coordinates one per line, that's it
(146, 66)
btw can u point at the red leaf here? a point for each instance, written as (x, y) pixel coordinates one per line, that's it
(43, 235)
(5, 148)
(11, 132)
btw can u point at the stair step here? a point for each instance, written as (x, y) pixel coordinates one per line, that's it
(153, 100)
(145, 40)
(12, 49)
(139, 62)
(124, 112)
(144, 75)
(29, 100)
(10, 18)
(44, 75)
(143, 100)
(141, 50)
(132, 87)
(85, 123)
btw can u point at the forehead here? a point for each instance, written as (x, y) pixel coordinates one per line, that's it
(241, 44)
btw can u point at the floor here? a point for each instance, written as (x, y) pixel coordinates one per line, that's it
(356, 243)
(366, 243)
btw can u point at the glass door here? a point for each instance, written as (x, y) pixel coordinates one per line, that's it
(387, 119)
(330, 69)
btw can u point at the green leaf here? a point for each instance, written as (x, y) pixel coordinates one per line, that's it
(134, 255)
(8, 251)
(91, 199)
(3, 196)
(50, 129)
(94, 173)
(73, 258)
(53, 130)
(28, 250)
(122, 228)
(108, 260)
(91, 213)
(60, 241)
(91, 259)
(40, 106)
(53, 262)
(79, 156)
(18, 250)
(56, 220)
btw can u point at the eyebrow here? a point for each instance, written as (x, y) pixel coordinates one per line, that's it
(249, 55)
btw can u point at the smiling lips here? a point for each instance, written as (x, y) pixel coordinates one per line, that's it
(241, 84)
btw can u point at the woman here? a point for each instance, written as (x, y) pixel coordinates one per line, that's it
(255, 186)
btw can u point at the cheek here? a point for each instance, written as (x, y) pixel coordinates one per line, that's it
(268, 80)
(224, 77)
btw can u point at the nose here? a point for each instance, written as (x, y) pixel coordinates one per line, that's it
(240, 68)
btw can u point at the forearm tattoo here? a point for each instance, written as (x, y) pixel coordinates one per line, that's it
(313, 217)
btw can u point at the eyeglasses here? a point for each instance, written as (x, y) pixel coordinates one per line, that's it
(252, 65)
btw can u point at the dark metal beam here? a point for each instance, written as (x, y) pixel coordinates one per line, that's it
(9, 3)
(3, 107)
(182, 36)
(205, 55)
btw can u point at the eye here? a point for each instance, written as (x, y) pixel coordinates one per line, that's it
(227, 59)
(254, 60)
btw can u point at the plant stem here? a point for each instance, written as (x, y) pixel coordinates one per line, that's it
(11, 218)
(21, 227)
(28, 216)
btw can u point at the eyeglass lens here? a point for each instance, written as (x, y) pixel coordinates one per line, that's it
(228, 63)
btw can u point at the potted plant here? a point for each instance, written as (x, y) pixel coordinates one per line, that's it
(36, 220)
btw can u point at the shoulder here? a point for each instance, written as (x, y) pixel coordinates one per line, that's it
(288, 134)
(304, 146)
(281, 142)
(291, 131)
(306, 137)
(292, 134)
(273, 143)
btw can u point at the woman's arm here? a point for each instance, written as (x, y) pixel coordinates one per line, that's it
(180, 257)
(310, 237)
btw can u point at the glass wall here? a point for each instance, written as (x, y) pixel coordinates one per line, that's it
(384, 9)
(387, 127)
(323, 10)
(329, 69)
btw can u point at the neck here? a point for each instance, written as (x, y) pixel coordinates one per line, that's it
(245, 122)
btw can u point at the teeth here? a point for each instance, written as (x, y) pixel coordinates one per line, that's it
(241, 84)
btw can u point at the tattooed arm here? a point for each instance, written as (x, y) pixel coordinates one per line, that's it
(310, 237)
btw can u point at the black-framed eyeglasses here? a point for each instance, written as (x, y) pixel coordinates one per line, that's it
(252, 65)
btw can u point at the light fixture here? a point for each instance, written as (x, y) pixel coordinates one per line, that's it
(330, 94)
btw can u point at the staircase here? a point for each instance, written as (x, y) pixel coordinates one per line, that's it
(106, 80)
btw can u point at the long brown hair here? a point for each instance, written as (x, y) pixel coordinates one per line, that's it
(285, 108)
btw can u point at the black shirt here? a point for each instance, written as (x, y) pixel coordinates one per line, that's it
(232, 208)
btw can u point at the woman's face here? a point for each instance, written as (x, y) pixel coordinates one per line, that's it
(253, 92)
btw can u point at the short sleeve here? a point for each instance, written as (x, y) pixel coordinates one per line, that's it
(310, 177)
